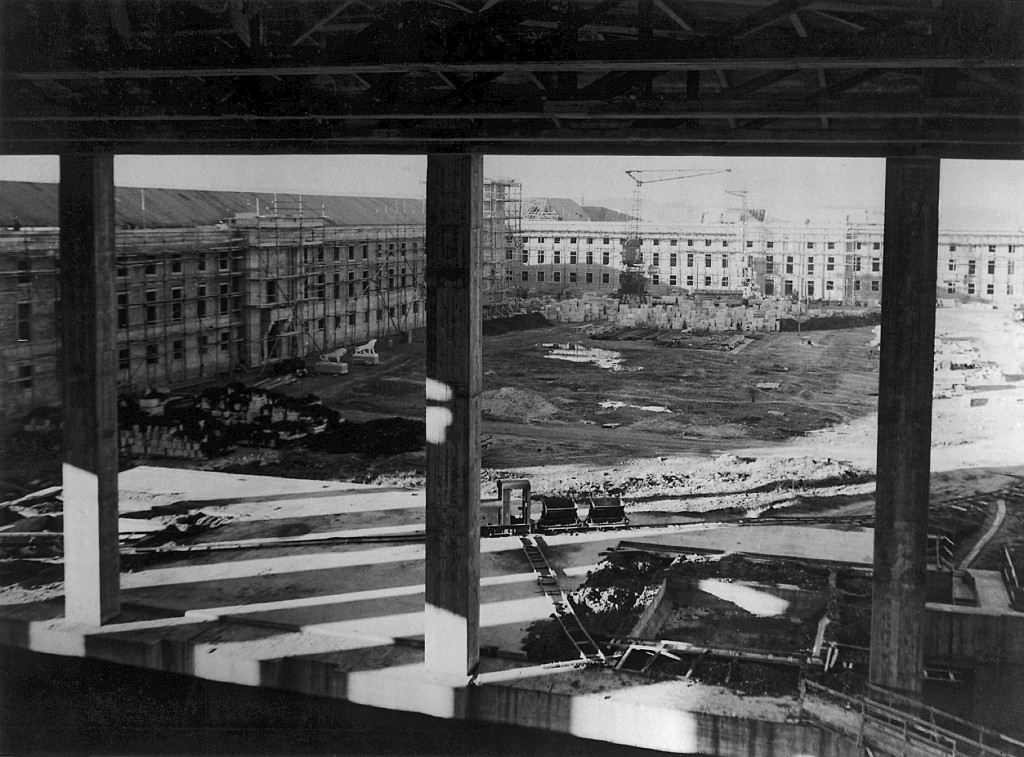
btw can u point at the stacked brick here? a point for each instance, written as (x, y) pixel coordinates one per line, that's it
(157, 440)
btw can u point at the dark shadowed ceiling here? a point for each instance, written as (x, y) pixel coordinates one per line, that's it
(792, 77)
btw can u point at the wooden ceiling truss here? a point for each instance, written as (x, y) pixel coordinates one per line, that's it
(801, 77)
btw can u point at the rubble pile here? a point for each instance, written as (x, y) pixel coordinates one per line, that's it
(725, 475)
(958, 366)
(519, 322)
(388, 436)
(218, 420)
(515, 404)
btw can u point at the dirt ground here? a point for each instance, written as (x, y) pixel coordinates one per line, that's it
(786, 422)
(689, 429)
(713, 398)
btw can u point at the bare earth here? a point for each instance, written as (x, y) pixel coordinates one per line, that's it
(689, 430)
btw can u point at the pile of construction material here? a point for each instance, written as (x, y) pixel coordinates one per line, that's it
(958, 366)
(237, 404)
(161, 425)
(159, 438)
(217, 421)
(587, 308)
(674, 313)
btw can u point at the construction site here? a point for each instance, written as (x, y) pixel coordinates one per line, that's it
(492, 474)
(676, 490)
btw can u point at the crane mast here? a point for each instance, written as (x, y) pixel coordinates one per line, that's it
(633, 287)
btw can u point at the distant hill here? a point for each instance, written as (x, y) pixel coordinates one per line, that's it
(35, 204)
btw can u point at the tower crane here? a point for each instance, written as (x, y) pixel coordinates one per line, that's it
(634, 276)
(747, 269)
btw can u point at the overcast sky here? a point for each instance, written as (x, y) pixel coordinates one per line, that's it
(784, 186)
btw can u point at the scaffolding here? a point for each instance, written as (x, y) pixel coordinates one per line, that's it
(196, 303)
(314, 288)
(502, 244)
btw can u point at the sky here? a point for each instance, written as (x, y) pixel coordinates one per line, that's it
(786, 187)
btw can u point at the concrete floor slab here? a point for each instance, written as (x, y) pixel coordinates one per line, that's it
(346, 620)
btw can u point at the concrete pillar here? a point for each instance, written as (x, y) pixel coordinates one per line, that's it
(88, 366)
(454, 377)
(904, 422)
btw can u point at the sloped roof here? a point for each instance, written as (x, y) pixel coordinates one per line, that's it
(601, 213)
(564, 209)
(35, 204)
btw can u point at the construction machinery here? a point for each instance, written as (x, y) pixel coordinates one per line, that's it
(520, 512)
(633, 284)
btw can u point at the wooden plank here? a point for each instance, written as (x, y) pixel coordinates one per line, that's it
(708, 63)
(867, 107)
(89, 370)
(672, 14)
(765, 16)
(952, 143)
(904, 423)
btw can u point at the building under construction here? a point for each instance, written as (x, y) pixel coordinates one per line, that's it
(839, 263)
(913, 84)
(255, 280)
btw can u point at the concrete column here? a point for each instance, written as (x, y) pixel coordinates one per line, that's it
(454, 377)
(904, 422)
(88, 366)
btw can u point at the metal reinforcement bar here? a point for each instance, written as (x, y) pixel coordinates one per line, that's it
(887, 729)
(588, 649)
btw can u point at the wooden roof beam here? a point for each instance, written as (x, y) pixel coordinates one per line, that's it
(765, 16)
(752, 85)
(673, 15)
(845, 84)
(472, 90)
(314, 137)
(834, 20)
(863, 108)
(322, 22)
(662, 65)
(985, 77)
(801, 30)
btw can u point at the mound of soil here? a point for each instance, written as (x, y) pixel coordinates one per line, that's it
(827, 322)
(520, 322)
(730, 474)
(516, 404)
(390, 436)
